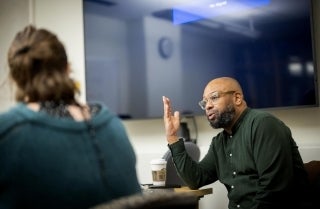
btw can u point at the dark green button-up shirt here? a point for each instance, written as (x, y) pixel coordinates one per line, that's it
(259, 163)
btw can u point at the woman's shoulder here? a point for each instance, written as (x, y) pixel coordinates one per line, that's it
(100, 111)
(12, 117)
(14, 112)
(96, 108)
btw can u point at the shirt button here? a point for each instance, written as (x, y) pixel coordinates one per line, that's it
(234, 173)
(232, 187)
(238, 206)
(230, 154)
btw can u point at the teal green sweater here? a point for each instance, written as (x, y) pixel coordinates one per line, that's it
(259, 164)
(47, 162)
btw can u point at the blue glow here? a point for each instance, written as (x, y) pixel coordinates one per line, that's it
(211, 8)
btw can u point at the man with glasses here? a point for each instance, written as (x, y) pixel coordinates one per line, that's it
(254, 156)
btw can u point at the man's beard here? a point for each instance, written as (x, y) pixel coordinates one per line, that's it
(224, 118)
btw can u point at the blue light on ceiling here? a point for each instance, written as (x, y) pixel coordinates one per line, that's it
(209, 9)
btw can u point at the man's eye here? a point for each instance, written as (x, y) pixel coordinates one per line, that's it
(214, 97)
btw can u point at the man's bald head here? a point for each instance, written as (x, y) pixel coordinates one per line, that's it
(223, 84)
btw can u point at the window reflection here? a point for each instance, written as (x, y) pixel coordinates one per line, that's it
(254, 43)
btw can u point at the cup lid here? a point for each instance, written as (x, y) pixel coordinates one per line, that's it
(158, 161)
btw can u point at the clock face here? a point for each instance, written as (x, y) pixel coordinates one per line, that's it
(165, 46)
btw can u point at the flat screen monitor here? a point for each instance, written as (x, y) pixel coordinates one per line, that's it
(136, 51)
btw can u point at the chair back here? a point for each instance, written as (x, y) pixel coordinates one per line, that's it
(172, 176)
(313, 170)
(158, 200)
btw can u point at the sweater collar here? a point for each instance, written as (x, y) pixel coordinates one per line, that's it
(239, 121)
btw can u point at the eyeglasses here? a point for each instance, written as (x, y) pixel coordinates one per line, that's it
(214, 98)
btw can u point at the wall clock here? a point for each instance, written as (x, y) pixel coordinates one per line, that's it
(165, 47)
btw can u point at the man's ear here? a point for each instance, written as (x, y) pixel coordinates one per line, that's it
(238, 98)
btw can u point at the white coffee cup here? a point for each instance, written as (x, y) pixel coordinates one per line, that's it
(159, 170)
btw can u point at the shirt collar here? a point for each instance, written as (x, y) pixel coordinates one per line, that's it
(238, 122)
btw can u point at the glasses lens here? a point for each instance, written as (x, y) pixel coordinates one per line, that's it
(213, 98)
(202, 104)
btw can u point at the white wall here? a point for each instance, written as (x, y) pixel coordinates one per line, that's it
(147, 136)
(14, 15)
(65, 18)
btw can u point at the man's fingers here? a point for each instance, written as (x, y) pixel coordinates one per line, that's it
(177, 114)
(166, 107)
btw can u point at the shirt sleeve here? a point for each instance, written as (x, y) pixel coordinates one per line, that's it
(272, 150)
(193, 173)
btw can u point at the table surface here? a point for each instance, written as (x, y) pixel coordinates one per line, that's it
(197, 192)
